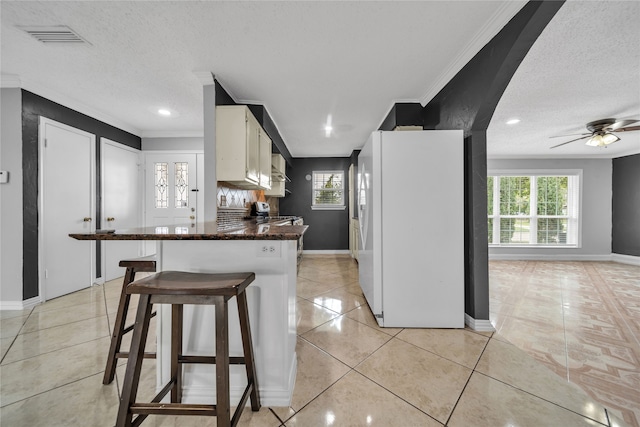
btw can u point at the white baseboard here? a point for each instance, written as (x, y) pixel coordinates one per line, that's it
(479, 325)
(20, 305)
(327, 252)
(622, 259)
(549, 257)
(626, 259)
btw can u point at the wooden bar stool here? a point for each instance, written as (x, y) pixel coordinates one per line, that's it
(178, 288)
(144, 264)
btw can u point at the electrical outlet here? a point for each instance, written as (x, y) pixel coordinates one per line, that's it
(269, 250)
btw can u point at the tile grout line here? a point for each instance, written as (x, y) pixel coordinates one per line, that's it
(548, 401)
(16, 336)
(473, 370)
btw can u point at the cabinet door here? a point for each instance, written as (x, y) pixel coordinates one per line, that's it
(253, 148)
(265, 161)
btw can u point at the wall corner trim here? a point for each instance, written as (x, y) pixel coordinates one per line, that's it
(479, 325)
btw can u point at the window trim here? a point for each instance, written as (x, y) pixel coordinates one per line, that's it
(577, 173)
(328, 207)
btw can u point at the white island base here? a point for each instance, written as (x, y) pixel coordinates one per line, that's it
(272, 316)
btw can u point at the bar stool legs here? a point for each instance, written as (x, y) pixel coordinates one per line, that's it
(134, 364)
(247, 345)
(146, 264)
(219, 289)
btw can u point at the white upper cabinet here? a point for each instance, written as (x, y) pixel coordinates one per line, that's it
(240, 144)
(265, 160)
(278, 176)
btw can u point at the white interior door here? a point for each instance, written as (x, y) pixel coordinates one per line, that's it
(67, 182)
(121, 203)
(170, 189)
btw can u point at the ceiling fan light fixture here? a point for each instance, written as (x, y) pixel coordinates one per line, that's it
(602, 140)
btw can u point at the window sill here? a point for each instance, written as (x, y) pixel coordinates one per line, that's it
(328, 208)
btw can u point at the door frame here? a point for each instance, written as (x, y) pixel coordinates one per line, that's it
(199, 179)
(42, 122)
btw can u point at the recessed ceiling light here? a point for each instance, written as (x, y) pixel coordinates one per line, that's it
(513, 121)
(328, 128)
(164, 112)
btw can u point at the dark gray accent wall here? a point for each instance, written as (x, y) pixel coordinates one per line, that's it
(328, 230)
(626, 206)
(269, 126)
(34, 106)
(403, 114)
(467, 102)
(224, 98)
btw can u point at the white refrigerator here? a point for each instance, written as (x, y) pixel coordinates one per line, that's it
(411, 211)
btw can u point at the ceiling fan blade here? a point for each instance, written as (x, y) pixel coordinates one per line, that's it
(619, 124)
(569, 134)
(573, 140)
(627, 129)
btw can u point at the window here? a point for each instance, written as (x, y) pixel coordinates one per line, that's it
(182, 184)
(161, 177)
(536, 209)
(328, 190)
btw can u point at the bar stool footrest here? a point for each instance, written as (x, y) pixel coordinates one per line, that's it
(125, 354)
(210, 360)
(173, 409)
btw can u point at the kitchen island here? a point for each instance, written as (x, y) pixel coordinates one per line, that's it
(267, 249)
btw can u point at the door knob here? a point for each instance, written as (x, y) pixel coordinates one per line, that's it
(110, 218)
(86, 219)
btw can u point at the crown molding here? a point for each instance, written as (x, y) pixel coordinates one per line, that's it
(505, 12)
(193, 133)
(68, 102)
(206, 77)
(8, 81)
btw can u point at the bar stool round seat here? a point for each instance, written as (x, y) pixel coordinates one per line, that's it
(133, 266)
(178, 288)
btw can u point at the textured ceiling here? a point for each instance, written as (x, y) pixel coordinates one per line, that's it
(307, 60)
(585, 66)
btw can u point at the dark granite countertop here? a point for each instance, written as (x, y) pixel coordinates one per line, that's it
(202, 231)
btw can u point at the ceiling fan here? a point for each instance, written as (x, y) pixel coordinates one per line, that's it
(602, 132)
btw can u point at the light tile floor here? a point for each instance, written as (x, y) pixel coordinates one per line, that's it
(579, 319)
(350, 371)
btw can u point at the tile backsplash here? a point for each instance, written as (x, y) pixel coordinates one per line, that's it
(234, 203)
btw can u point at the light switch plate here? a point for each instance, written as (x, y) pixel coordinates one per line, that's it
(4, 177)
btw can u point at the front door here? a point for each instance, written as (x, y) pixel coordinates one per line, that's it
(121, 203)
(170, 189)
(67, 183)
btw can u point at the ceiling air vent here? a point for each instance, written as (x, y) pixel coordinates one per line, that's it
(55, 34)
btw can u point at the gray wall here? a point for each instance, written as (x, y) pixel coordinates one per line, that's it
(172, 144)
(595, 209)
(328, 230)
(11, 196)
(626, 205)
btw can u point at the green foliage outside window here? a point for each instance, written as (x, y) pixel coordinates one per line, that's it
(328, 189)
(515, 209)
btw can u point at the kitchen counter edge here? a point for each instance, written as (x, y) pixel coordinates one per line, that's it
(201, 231)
